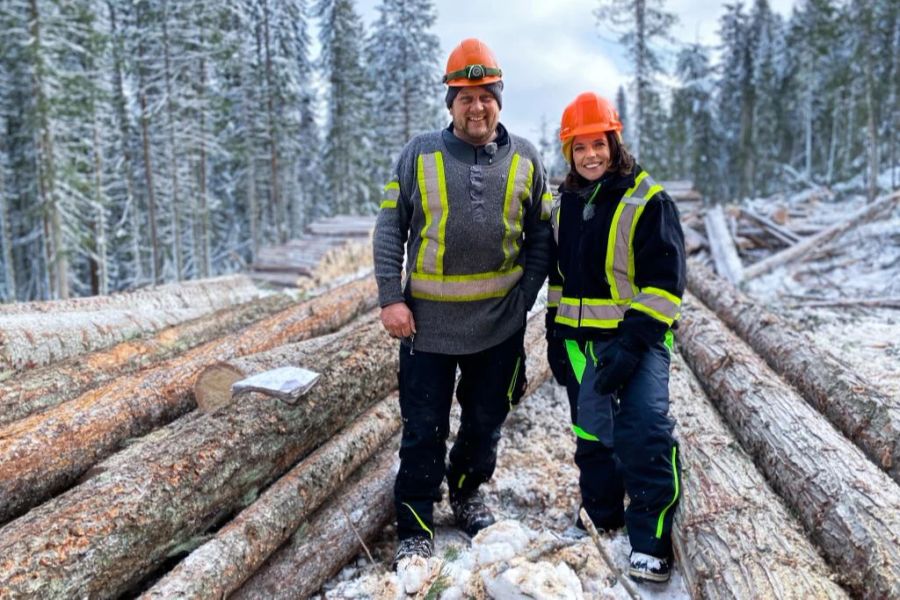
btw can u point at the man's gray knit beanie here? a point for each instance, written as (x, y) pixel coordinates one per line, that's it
(496, 90)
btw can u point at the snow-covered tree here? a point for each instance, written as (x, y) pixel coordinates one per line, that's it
(348, 137)
(404, 58)
(642, 25)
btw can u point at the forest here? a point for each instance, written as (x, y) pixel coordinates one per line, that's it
(156, 141)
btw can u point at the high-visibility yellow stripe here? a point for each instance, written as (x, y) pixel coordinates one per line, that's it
(507, 200)
(611, 251)
(652, 312)
(662, 515)
(423, 191)
(637, 215)
(460, 288)
(388, 204)
(445, 210)
(393, 185)
(512, 383)
(546, 205)
(420, 521)
(576, 358)
(460, 482)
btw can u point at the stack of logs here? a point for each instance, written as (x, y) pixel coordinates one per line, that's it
(327, 249)
(101, 487)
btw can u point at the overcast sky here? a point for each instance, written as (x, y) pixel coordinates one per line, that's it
(550, 51)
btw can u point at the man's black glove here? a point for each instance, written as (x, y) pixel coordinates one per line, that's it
(558, 358)
(616, 363)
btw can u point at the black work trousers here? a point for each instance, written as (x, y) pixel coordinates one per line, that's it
(490, 383)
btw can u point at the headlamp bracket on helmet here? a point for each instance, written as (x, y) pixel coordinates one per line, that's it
(473, 72)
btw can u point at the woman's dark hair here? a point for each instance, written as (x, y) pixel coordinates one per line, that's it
(621, 161)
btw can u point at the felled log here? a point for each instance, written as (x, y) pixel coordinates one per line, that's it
(721, 245)
(37, 334)
(850, 508)
(151, 500)
(782, 233)
(43, 454)
(343, 226)
(210, 294)
(693, 241)
(734, 536)
(221, 565)
(865, 214)
(43, 388)
(866, 415)
(321, 548)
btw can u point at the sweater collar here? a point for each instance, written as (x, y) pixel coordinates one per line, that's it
(476, 155)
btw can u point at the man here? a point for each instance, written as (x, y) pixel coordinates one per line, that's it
(469, 203)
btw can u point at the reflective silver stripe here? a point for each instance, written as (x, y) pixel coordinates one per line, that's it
(590, 312)
(569, 312)
(620, 249)
(461, 288)
(390, 195)
(602, 313)
(432, 189)
(554, 219)
(546, 205)
(518, 189)
(554, 295)
(659, 304)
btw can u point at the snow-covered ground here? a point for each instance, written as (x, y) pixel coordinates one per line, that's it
(528, 553)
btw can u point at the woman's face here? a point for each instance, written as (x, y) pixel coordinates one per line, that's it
(590, 155)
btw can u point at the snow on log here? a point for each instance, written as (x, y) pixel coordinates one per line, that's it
(865, 214)
(45, 453)
(735, 537)
(866, 415)
(40, 389)
(721, 245)
(324, 545)
(151, 500)
(221, 565)
(38, 334)
(850, 507)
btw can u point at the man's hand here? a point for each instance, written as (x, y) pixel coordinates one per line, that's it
(398, 320)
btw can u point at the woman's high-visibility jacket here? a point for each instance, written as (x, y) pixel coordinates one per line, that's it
(620, 262)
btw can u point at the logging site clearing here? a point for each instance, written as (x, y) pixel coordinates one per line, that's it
(128, 468)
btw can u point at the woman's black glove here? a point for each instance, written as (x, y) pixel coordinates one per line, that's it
(616, 363)
(558, 358)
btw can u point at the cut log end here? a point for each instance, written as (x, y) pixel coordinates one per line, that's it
(213, 387)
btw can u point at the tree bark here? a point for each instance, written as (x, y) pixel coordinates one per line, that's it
(221, 565)
(850, 508)
(865, 415)
(40, 389)
(721, 245)
(328, 541)
(867, 213)
(734, 535)
(45, 453)
(151, 500)
(43, 337)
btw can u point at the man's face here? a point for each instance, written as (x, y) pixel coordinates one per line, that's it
(475, 114)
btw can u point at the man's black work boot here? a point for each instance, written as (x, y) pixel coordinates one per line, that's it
(644, 567)
(470, 512)
(417, 545)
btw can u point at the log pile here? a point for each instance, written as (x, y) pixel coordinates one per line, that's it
(36, 334)
(132, 491)
(331, 247)
(45, 453)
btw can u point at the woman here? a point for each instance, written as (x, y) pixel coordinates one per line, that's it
(614, 298)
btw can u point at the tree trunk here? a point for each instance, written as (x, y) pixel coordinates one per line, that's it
(151, 500)
(221, 565)
(850, 508)
(148, 176)
(721, 245)
(9, 267)
(734, 535)
(865, 415)
(867, 213)
(40, 389)
(45, 336)
(174, 161)
(329, 540)
(277, 201)
(45, 453)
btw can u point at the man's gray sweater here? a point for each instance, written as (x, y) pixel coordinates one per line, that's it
(490, 228)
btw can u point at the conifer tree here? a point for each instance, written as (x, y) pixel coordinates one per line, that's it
(348, 137)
